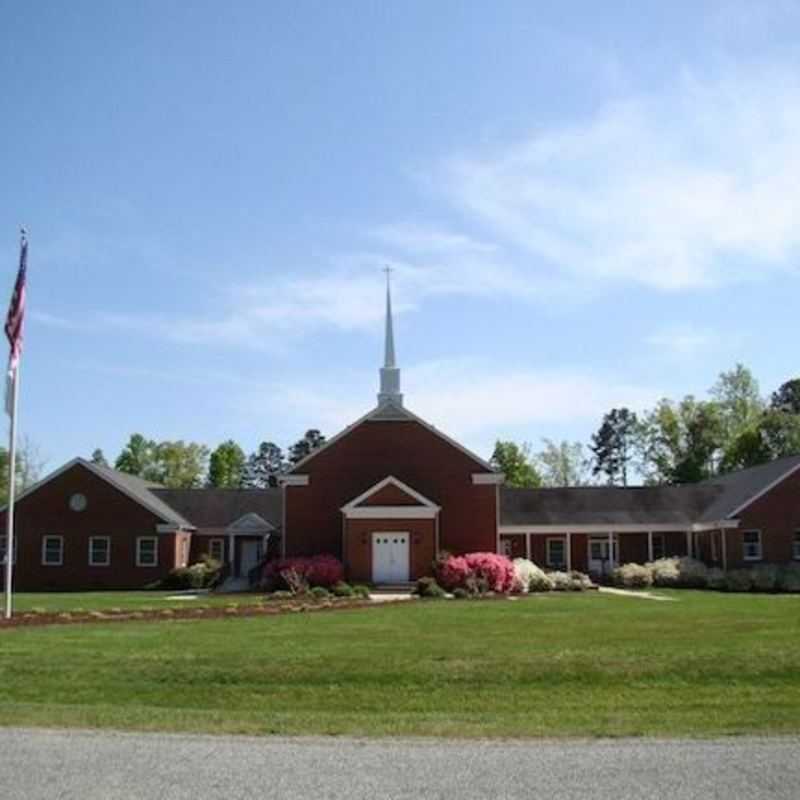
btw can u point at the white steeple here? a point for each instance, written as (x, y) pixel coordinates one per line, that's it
(390, 373)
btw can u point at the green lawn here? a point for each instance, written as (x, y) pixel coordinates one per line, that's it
(125, 601)
(572, 665)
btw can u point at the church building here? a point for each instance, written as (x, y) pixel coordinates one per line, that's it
(385, 495)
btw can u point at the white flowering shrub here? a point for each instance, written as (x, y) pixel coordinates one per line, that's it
(580, 581)
(633, 576)
(789, 578)
(692, 573)
(716, 578)
(527, 573)
(665, 571)
(561, 581)
(570, 581)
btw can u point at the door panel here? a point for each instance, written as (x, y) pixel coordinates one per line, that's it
(390, 557)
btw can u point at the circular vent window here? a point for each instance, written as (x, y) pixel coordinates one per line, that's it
(77, 502)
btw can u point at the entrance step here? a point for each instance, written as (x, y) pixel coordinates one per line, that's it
(393, 588)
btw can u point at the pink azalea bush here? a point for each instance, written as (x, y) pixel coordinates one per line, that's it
(475, 572)
(322, 570)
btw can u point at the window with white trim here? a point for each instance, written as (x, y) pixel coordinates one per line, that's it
(216, 549)
(556, 552)
(3, 547)
(99, 551)
(659, 549)
(751, 545)
(796, 546)
(147, 551)
(52, 551)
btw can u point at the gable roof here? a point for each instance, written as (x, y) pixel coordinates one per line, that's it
(138, 489)
(737, 490)
(392, 412)
(221, 508)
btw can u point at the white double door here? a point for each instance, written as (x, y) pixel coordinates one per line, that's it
(602, 554)
(390, 557)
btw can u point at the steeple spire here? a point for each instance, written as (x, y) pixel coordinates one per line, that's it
(390, 373)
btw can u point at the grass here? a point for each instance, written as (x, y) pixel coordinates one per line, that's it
(124, 601)
(574, 665)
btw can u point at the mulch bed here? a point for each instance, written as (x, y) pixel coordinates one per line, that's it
(269, 608)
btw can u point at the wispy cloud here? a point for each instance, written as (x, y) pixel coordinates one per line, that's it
(682, 341)
(693, 187)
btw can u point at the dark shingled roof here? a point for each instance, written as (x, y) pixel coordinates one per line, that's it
(601, 505)
(710, 501)
(219, 508)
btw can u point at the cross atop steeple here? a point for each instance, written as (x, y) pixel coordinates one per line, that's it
(390, 373)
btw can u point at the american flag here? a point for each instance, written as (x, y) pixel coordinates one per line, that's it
(16, 318)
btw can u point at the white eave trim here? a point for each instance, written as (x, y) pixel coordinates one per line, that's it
(391, 512)
(390, 480)
(294, 480)
(483, 478)
(171, 527)
(642, 527)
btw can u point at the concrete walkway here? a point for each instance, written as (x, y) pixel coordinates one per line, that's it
(72, 765)
(642, 595)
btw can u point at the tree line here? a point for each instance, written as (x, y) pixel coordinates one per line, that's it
(677, 441)
(190, 465)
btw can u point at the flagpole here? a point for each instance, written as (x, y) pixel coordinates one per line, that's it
(12, 476)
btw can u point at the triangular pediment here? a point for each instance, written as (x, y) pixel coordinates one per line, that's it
(390, 492)
(250, 523)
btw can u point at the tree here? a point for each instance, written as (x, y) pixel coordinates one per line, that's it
(180, 465)
(562, 464)
(226, 466)
(265, 466)
(787, 397)
(776, 434)
(739, 402)
(613, 445)
(99, 458)
(138, 457)
(28, 468)
(680, 442)
(514, 462)
(301, 448)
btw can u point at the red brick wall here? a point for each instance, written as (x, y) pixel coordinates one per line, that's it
(109, 512)
(390, 495)
(358, 545)
(777, 515)
(414, 455)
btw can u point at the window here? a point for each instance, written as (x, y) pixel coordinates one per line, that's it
(751, 545)
(216, 549)
(77, 502)
(99, 551)
(659, 551)
(52, 551)
(4, 547)
(796, 546)
(556, 552)
(147, 551)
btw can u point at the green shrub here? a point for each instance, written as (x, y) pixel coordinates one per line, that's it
(716, 579)
(633, 576)
(540, 582)
(196, 576)
(738, 580)
(342, 589)
(427, 587)
(281, 594)
(764, 577)
(359, 590)
(461, 594)
(319, 592)
(789, 578)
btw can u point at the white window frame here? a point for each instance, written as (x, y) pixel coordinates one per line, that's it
(796, 546)
(218, 540)
(548, 560)
(139, 540)
(745, 545)
(107, 562)
(3, 545)
(53, 537)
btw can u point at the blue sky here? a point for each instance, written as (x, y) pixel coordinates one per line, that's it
(586, 204)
